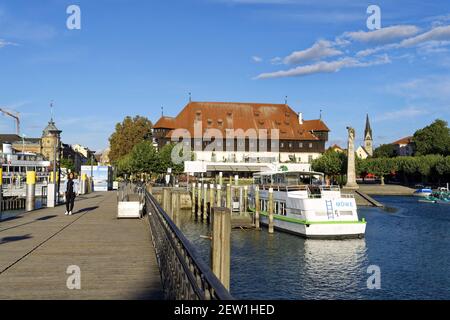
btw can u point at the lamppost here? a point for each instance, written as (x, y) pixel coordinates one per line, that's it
(56, 146)
(23, 146)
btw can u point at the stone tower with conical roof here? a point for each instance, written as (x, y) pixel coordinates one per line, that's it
(368, 138)
(51, 140)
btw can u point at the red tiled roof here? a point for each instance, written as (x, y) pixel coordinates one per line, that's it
(224, 116)
(406, 140)
(166, 123)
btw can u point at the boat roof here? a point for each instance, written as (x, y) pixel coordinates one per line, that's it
(272, 173)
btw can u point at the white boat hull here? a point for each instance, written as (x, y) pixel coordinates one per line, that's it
(319, 230)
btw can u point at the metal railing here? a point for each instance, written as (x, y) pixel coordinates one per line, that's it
(184, 275)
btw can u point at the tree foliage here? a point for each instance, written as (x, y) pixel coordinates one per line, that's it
(384, 151)
(128, 134)
(331, 163)
(433, 139)
(144, 158)
(68, 164)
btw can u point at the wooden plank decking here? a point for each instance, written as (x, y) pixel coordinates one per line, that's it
(116, 257)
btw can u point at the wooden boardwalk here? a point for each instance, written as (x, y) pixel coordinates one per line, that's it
(116, 257)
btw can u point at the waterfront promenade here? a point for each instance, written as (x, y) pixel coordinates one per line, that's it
(116, 257)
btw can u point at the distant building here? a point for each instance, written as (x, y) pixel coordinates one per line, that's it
(51, 142)
(19, 144)
(85, 151)
(404, 146)
(337, 148)
(365, 151)
(103, 157)
(299, 140)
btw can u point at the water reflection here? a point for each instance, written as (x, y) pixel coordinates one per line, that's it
(410, 243)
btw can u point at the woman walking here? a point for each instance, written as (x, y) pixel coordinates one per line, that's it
(70, 190)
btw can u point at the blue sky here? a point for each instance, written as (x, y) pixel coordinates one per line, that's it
(134, 56)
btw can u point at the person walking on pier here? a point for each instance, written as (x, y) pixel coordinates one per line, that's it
(70, 190)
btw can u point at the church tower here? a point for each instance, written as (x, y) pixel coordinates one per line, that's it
(368, 138)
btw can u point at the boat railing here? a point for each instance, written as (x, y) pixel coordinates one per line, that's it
(330, 188)
(347, 195)
(285, 188)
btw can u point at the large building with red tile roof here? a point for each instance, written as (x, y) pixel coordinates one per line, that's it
(234, 132)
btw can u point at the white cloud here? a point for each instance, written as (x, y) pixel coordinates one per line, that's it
(384, 34)
(320, 49)
(276, 60)
(430, 87)
(324, 67)
(4, 43)
(257, 59)
(436, 34)
(410, 112)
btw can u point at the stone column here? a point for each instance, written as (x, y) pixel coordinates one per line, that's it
(351, 172)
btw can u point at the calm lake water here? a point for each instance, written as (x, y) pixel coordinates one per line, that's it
(409, 242)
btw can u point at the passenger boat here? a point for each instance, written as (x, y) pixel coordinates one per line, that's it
(304, 206)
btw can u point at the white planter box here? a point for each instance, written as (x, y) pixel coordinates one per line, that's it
(129, 209)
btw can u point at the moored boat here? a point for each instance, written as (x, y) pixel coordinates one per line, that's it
(304, 206)
(422, 191)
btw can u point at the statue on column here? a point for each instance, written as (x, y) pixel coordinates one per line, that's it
(351, 170)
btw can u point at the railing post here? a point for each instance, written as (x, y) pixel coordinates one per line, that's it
(31, 191)
(270, 224)
(220, 245)
(257, 207)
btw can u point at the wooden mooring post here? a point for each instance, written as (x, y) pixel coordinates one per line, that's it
(229, 199)
(220, 244)
(211, 199)
(205, 201)
(257, 208)
(219, 195)
(193, 197)
(199, 199)
(271, 207)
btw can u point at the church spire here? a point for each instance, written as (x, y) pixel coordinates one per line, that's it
(368, 130)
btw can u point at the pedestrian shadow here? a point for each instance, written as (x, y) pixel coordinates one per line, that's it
(14, 238)
(46, 218)
(85, 210)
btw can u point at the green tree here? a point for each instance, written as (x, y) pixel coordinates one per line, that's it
(124, 166)
(128, 134)
(144, 158)
(68, 164)
(433, 139)
(443, 166)
(382, 167)
(331, 163)
(384, 151)
(166, 160)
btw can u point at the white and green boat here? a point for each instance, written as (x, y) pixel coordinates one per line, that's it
(304, 206)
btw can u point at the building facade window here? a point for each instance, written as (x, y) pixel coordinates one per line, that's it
(310, 145)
